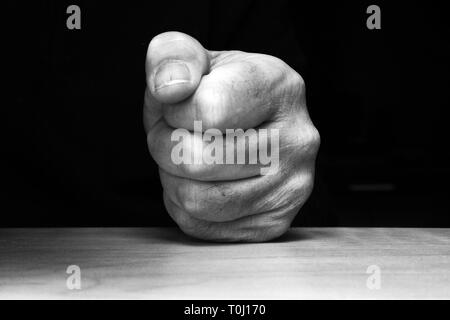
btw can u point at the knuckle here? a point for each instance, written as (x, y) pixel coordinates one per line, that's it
(296, 81)
(305, 141)
(313, 139)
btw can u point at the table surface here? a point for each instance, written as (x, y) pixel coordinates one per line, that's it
(162, 263)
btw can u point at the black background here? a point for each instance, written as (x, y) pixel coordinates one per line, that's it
(73, 143)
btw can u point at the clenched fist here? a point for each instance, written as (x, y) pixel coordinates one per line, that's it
(210, 190)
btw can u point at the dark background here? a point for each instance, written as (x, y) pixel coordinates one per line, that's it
(73, 145)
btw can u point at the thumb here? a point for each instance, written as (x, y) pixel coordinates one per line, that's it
(174, 66)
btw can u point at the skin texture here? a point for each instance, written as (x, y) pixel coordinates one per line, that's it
(228, 90)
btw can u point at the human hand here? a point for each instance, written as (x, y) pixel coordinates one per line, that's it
(228, 90)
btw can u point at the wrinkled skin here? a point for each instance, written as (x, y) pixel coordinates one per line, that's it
(228, 90)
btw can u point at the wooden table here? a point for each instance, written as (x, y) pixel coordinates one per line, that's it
(162, 263)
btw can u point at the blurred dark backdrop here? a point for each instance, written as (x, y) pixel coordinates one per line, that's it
(380, 99)
(74, 145)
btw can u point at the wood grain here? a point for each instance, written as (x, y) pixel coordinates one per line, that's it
(162, 263)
